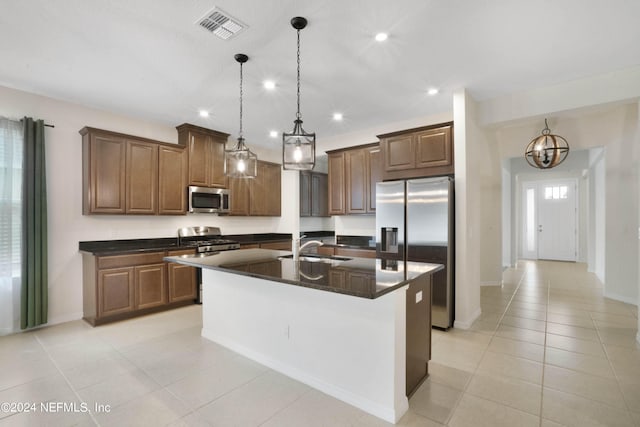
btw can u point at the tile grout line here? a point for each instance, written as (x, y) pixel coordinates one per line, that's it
(73, 389)
(466, 386)
(544, 350)
(615, 374)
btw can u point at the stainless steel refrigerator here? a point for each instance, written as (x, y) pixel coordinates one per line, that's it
(415, 222)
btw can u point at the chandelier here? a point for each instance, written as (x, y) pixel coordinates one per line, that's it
(298, 147)
(240, 162)
(546, 151)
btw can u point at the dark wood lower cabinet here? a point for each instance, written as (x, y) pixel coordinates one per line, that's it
(115, 291)
(150, 285)
(182, 280)
(118, 287)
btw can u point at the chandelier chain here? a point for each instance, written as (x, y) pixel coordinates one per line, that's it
(298, 59)
(241, 100)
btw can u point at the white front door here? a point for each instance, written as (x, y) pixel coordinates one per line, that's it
(549, 220)
(557, 230)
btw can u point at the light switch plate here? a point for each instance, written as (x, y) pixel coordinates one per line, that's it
(418, 297)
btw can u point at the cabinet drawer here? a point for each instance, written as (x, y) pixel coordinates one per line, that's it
(181, 252)
(282, 246)
(362, 253)
(129, 260)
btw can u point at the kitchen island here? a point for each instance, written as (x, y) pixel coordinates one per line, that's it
(337, 324)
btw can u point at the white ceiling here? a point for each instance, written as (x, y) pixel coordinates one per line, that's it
(147, 59)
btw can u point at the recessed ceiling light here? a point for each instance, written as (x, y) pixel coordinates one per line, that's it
(268, 84)
(433, 91)
(380, 37)
(204, 113)
(273, 134)
(337, 117)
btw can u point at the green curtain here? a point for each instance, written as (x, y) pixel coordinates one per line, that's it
(34, 297)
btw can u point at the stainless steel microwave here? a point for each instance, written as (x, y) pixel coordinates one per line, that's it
(208, 200)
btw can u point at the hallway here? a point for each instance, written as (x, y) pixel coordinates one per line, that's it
(547, 350)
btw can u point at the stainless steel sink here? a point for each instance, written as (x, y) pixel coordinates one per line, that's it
(317, 258)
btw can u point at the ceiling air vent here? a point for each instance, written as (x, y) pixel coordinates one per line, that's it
(220, 23)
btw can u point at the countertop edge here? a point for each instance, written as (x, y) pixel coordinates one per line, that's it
(192, 261)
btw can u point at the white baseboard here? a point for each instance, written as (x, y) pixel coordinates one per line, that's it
(64, 318)
(620, 298)
(386, 413)
(467, 324)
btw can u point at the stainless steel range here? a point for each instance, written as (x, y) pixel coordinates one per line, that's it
(207, 241)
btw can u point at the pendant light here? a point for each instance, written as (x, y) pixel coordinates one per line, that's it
(240, 162)
(547, 150)
(298, 147)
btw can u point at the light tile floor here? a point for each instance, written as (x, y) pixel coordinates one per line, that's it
(548, 350)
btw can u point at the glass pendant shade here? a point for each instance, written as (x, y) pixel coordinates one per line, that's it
(546, 151)
(240, 162)
(298, 149)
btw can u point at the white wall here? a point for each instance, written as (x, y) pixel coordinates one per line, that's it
(67, 225)
(467, 199)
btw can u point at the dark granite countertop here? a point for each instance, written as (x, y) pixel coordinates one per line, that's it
(130, 246)
(118, 247)
(360, 277)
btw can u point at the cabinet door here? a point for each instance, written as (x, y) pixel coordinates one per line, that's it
(182, 282)
(336, 183)
(150, 286)
(374, 175)
(172, 180)
(305, 194)
(356, 182)
(399, 152)
(105, 192)
(199, 159)
(280, 246)
(433, 148)
(361, 282)
(217, 178)
(273, 189)
(239, 196)
(141, 178)
(116, 293)
(319, 194)
(265, 191)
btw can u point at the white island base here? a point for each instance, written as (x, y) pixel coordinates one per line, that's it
(351, 348)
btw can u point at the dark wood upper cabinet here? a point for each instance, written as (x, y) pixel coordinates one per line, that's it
(415, 153)
(172, 180)
(206, 155)
(356, 182)
(305, 193)
(319, 194)
(259, 196)
(336, 183)
(373, 156)
(314, 194)
(265, 190)
(239, 196)
(141, 178)
(125, 174)
(103, 168)
(353, 174)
